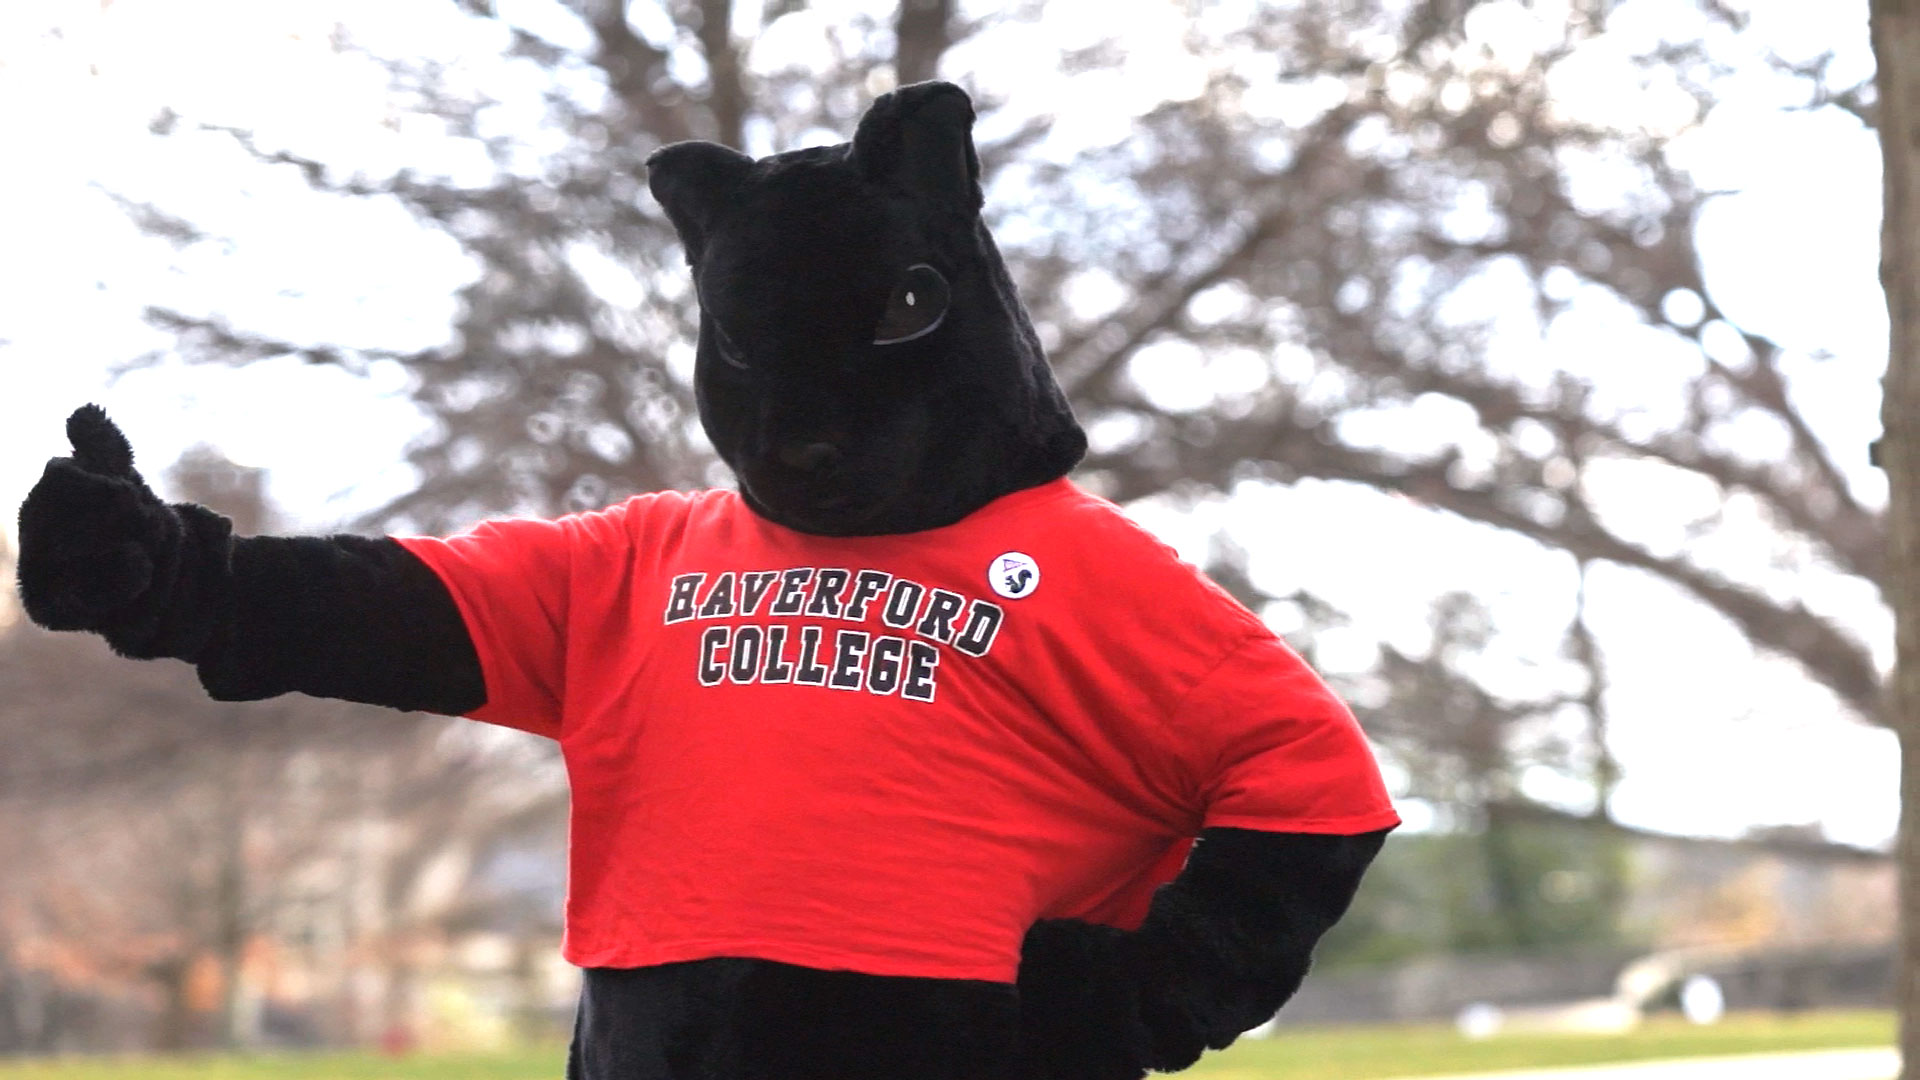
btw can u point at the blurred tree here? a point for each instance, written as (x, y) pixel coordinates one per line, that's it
(1441, 892)
(1357, 241)
(1355, 216)
(1466, 751)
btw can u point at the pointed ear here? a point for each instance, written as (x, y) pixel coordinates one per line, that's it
(693, 181)
(920, 138)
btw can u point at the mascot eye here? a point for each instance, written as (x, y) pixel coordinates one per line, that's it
(918, 303)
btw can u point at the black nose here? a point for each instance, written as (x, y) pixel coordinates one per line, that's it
(809, 456)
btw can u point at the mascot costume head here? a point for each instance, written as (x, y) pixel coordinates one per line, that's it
(864, 364)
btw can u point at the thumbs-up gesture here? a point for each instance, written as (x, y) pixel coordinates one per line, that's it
(94, 540)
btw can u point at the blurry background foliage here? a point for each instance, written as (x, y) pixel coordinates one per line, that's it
(1356, 298)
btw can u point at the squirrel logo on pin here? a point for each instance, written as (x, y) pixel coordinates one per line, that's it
(1013, 575)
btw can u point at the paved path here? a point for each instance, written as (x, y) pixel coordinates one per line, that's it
(1879, 1063)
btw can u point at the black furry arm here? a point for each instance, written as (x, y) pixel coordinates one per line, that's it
(342, 616)
(1224, 945)
(347, 617)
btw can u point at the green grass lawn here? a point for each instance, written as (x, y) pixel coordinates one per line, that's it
(1357, 1053)
(1373, 1053)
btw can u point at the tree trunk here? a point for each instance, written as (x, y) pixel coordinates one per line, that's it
(1896, 46)
(1507, 881)
(1907, 991)
(726, 85)
(923, 29)
(230, 930)
(173, 1028)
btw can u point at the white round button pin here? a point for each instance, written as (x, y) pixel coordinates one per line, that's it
(1013, 575)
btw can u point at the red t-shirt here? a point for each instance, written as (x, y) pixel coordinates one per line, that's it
(887, 754)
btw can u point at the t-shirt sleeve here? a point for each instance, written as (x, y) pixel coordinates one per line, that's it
(1276, 750)
(511, 580)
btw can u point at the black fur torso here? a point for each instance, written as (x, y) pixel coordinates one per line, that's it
(740, 1019)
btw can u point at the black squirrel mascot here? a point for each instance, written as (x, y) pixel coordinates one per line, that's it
(909, 760)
